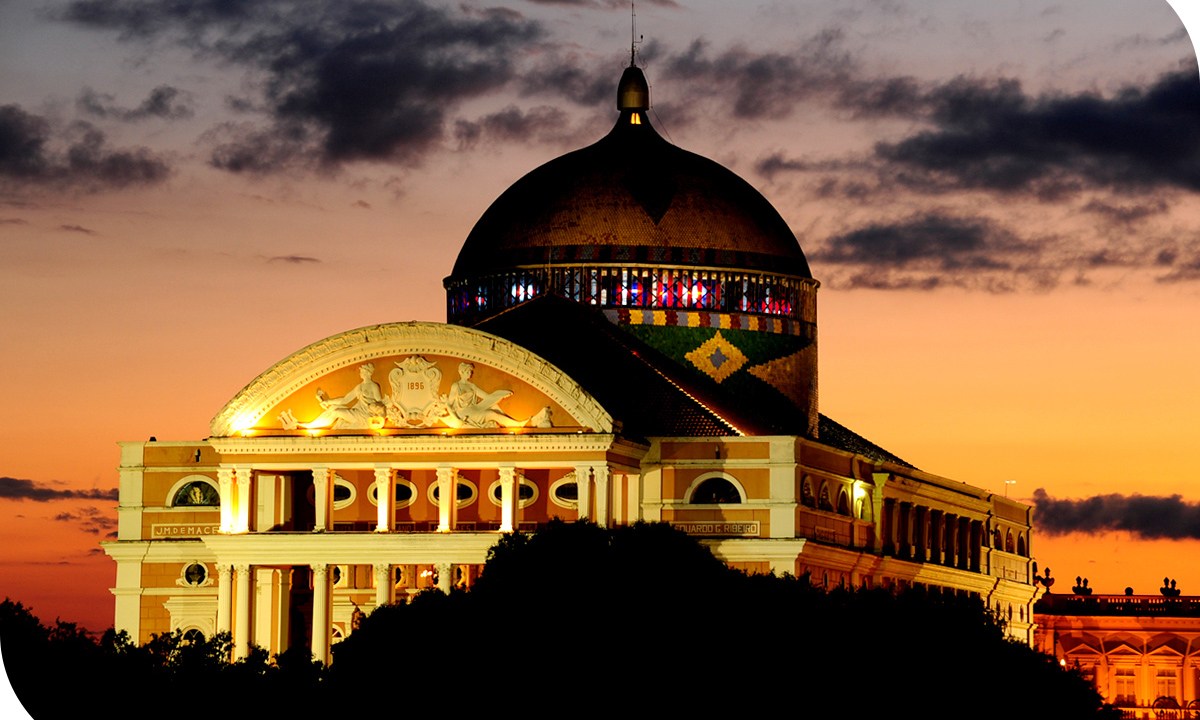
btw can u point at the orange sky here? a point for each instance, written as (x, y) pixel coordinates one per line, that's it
(1057, 354)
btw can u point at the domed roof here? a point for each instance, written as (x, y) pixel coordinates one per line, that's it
(632, 197)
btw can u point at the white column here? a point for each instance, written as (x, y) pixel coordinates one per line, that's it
(633, 498)
(241, 623)
(241, 518)
(510, 499)
(447, 500)
(224, 598)
(445, 573)
(616, 488)
(600, 477)
(320, 613)
(383, 494)
(383, 584)
(264, 586)
(283, 622)
(322, 496)
(583, 480)
(225, 487)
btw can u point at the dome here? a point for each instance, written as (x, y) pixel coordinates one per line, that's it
(684, 256)
(632, 197)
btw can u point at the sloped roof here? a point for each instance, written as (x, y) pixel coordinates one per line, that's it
(649, 394)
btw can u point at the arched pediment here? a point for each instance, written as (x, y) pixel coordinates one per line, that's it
(409, 377)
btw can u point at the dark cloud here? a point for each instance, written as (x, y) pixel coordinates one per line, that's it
(90, 520)
(588, 85)
(1145, 516)
(13, 221)
(540, 124)
(763, 85)
(164, 102)
(881, 97)
(991, 135)
(77, 229)
(147, 18)
(933, 240)
(18, 489)
(340, 82)
(606, 4)
(77, 157)
(294, 259)
(927, 251)
(1127, 213)
(1181, 270)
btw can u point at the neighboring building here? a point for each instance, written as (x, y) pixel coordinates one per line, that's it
(633, 337)
(1142, 652)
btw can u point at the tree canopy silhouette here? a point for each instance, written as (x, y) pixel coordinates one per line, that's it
(581, 619)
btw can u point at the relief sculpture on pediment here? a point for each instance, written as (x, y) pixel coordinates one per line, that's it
(415, 401)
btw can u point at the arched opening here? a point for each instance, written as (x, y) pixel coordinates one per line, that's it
(199, 492)
(843, 503)
(807, 497)
(715, 491)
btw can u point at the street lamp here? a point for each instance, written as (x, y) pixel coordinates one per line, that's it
(1006, 484)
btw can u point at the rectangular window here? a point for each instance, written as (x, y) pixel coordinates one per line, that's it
(1124, 680)
(1165, 684)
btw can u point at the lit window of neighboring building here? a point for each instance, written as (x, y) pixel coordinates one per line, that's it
(1165, 683)
(1124, 681)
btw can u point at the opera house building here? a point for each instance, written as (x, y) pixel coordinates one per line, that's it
(631, 335)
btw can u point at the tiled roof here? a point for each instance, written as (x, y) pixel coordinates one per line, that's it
(649, 394)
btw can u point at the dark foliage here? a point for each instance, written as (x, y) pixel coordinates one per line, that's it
(578, 619)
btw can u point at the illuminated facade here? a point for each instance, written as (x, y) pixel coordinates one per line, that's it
(632, 337)
(1142, 652)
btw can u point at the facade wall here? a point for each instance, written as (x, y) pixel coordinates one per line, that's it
(1142, 653)
(272, 529)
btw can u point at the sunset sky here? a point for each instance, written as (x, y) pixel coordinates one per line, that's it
(1000, 199)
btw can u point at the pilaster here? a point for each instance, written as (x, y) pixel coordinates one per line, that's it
(383, 494)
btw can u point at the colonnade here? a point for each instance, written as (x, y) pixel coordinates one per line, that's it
(236, 588)
(236, 581)
(235, 487)
(915, 532)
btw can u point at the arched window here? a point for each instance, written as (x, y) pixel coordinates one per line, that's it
(1008, 542)
(715, 488)
(196, 491)
(997, 540)
(824, 499)
(807, 497)
(715, 491)
(1021, 546)
(843, 505)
